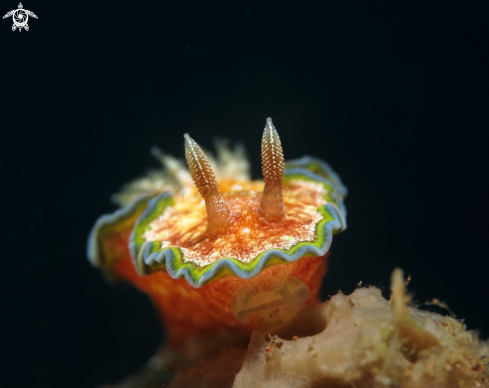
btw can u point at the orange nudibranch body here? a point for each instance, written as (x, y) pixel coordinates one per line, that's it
(228, 254)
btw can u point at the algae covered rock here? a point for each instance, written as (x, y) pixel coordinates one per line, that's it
(363, 340)
(359, 340)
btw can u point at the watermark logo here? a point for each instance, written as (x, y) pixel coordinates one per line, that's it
(20, 16)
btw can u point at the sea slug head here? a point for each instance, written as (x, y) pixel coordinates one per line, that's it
(218, 251)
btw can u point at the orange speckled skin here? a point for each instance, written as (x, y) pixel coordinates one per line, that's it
(301, 200)
(188, 312)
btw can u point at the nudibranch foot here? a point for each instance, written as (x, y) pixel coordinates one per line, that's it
(271, 308)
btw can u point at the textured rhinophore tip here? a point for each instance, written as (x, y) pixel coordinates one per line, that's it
(272, 160)
(218, 213)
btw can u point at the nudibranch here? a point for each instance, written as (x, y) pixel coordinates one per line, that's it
(217, 251)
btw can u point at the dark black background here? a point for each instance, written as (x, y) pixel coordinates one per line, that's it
(393, 94)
